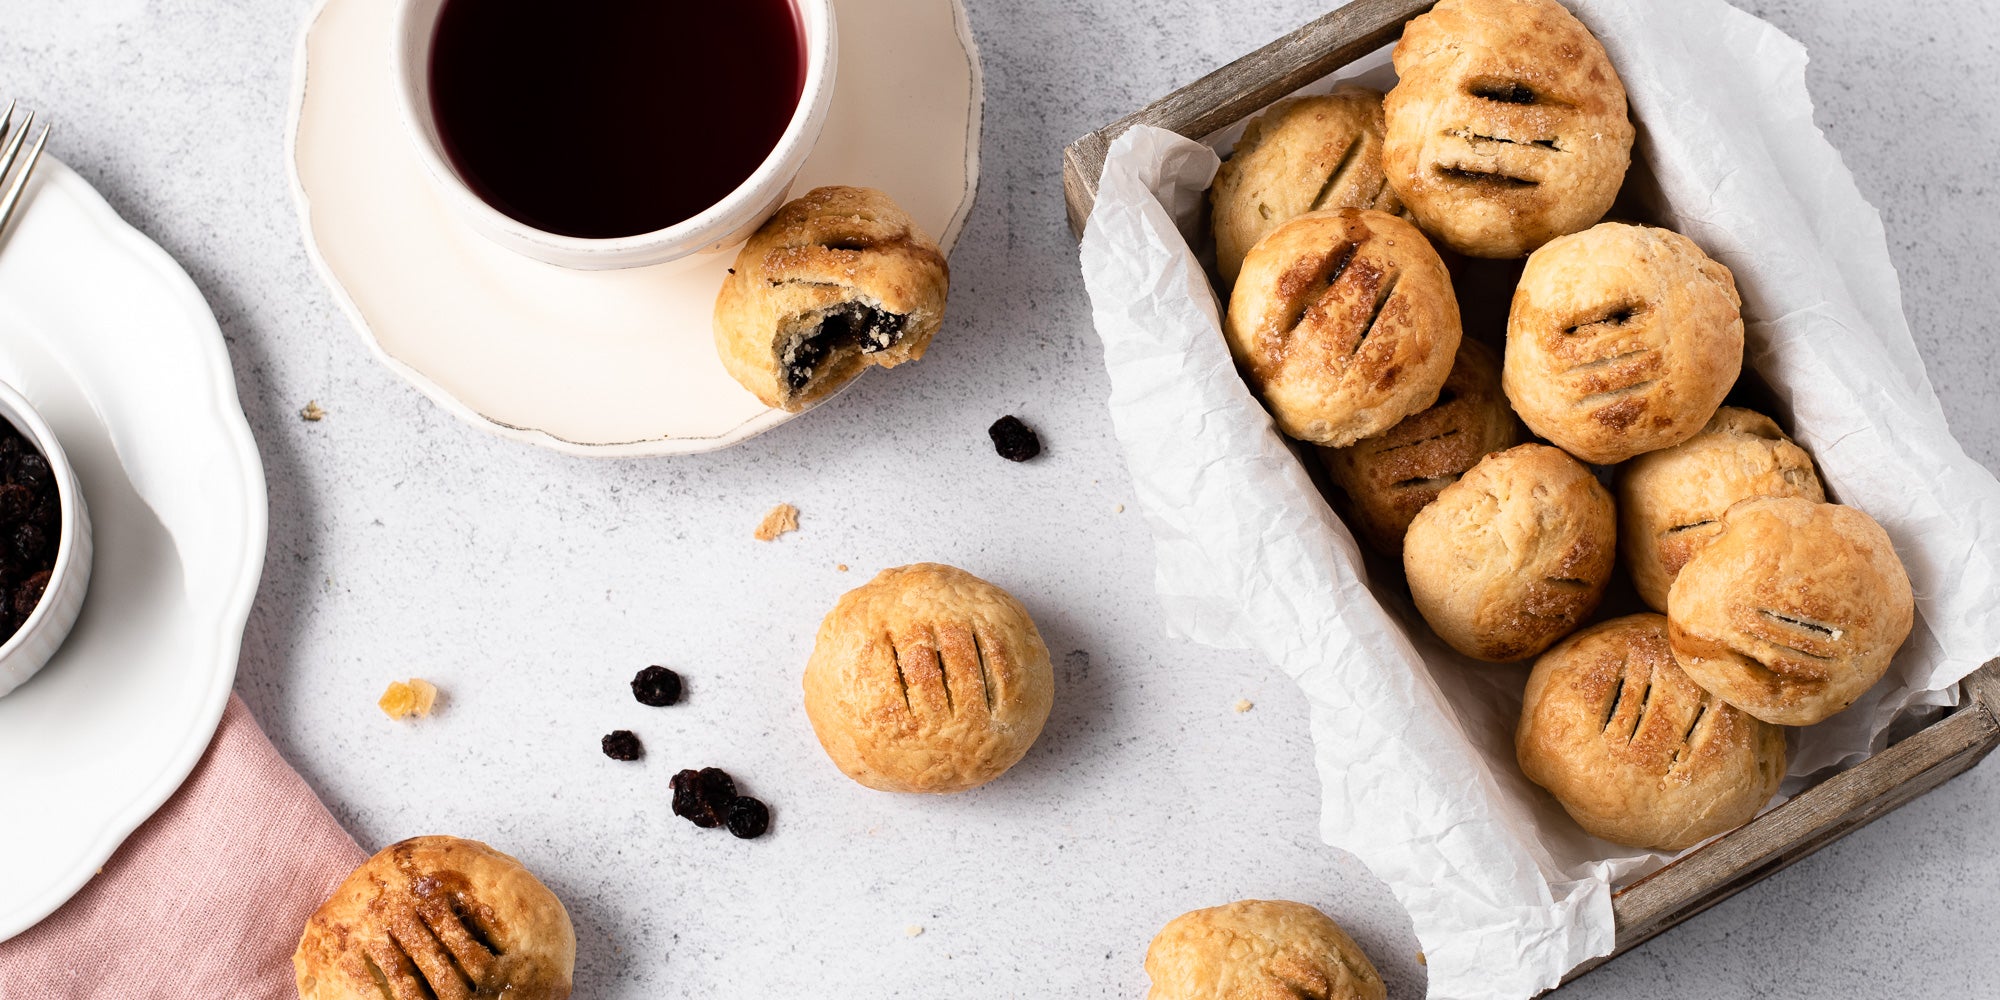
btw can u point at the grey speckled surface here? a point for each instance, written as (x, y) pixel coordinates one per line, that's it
(530, 585)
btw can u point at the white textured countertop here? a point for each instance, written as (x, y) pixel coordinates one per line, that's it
(530, 586)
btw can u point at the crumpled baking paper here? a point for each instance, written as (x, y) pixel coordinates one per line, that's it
(1414, 744)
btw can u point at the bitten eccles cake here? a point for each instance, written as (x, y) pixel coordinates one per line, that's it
(839, 279)
(1507, 127)
(1256, 949)
(1513, 556)
(1302, 154)
(928, 679)
(1621, 340)
(1344, 322)
(437, 918)
(1636, 752)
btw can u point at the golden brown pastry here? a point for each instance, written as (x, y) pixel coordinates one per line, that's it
(1391, 476)
(1506, 127)
(1792, 610)
(1621, 340)
(1303, 154)
(1636, 752)
(1259, 949)
(838, 280)
(928, 679)
(437, 917)
(1344, 322)
(1513, 556)
(1670, 502)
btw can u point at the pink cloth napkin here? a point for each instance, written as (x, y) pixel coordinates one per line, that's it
(205, 900)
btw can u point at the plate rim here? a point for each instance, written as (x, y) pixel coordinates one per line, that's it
(234, 426)
(768, 420)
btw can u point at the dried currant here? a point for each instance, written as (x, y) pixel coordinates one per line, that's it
(748, 818)
(29, 594)
(689, 803)
(17, 503)
(717, 788)
(32, 471)
(656, 686)
(622, 744)
(1014, 440)
(29, 542)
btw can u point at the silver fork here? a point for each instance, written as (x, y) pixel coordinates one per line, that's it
(13, 137)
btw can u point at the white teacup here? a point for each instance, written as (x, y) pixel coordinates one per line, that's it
(720, 226)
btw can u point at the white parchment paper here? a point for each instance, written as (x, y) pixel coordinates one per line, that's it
(1414, 744)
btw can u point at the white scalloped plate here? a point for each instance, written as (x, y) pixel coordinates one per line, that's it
(116, 348)
(595, 362)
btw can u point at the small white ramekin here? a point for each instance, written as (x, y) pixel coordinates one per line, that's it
(723, 225)
(38, 637)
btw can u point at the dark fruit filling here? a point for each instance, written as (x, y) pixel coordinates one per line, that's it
(1014, 440)
(848, 324)
(29, 512)
(656, 686)
(622, 744)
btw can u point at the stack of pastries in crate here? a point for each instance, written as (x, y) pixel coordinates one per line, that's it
(1340, 221)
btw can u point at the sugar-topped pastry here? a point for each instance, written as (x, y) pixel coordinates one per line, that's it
(1793, 610)
(1344, 322)
(1621, 340)
(1256, 949)
(1507, 126)
(1302, 154)
(928, 679)
(838, 280)
(1636, 752)
(437, 918)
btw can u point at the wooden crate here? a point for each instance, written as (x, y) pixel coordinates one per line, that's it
(1720, 869)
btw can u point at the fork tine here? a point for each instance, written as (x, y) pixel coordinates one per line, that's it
(7, 119)
(20, 182)
(14, 145)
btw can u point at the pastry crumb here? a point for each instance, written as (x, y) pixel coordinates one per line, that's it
(403, 699)
(914, 930)
(1244, 705)
(312, 413)
(1421, 960)
(840, 567)
(782, 519)
(1120, 509)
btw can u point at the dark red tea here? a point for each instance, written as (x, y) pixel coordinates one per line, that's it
(609, 118)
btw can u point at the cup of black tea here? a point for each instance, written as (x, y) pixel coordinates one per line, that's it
(614, 133)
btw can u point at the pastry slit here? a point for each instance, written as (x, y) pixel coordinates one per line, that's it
(1381, 303)
(468, 953)
(1332, 266)
(1492, 177)
(1645, 705)
(1437, 482)
(1376, 198)
(944, 675)
(1615, 315)
(1690, 526)
(477, 933)
(1339, 171)
(1413, 444)
(1686, 748)
(902, 683)
(400, 975)
(985, 677)
(1566, 582)
(1470, 136)
(1617, 696)
(381, 978)
(436, 966)
(1822, 629)
(1597, 397)
(1503, 92)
